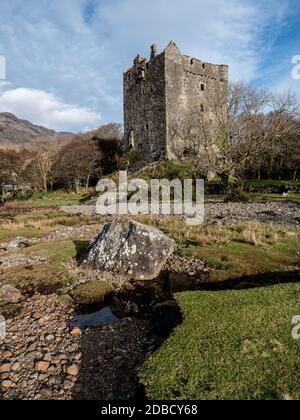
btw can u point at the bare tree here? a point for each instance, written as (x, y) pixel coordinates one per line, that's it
(77, 162)
(43, 153)
(254, 130)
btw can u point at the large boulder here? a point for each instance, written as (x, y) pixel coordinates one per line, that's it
(9, 294)
(129, 248)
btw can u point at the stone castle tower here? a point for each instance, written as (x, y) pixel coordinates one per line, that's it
(159, 96)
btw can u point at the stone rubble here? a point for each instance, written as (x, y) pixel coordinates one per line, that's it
(281, 213)
(42, 358)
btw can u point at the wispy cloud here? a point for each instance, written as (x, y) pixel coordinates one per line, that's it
(47, 109)
(77, 49)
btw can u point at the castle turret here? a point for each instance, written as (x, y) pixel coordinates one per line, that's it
(153, 51)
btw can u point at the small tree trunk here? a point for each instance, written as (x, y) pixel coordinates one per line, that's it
(87, 182)
(224, 182)
(77, 186)
(295, 175)
(45, 186)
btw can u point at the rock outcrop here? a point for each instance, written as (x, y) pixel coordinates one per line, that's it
(129, 248)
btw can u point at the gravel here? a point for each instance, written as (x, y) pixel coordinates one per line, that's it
(43, 358)
(281, 213)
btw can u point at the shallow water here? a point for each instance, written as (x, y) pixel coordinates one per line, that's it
(105, 316)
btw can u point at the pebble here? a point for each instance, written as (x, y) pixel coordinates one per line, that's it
(5, 368)
(76, 331)
(6, 384)
(41, 366)
(72, 370)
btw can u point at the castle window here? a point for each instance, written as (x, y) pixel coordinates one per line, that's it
(129, 77)
(202, 87)
(203, 65)
(147, 127)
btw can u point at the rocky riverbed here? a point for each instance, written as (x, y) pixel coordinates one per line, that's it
(280, 213)
(43, 357)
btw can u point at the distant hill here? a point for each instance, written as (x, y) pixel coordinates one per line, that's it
(14, 131)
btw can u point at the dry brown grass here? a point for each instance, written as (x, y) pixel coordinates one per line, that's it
(253, 233)
(256, 233)
(34, 224)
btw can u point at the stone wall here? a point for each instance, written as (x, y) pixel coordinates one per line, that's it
(145, 107)
(161, 95)
(191, 86)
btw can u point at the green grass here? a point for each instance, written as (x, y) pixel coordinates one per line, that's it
(231, 345)
(61, 250)
(273, 197)
(25, 232)
(235, 251)
(91, 293)
(59, 198)
(38, 222)
(238, 259)
(46, 277)
(270, 182)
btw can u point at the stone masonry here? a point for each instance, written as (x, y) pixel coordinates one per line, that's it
(161, 94)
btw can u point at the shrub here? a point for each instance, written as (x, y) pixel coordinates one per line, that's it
(236, 194)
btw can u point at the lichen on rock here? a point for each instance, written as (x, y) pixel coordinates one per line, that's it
(129, 248)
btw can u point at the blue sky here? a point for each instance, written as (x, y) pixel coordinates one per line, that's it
(65, 57)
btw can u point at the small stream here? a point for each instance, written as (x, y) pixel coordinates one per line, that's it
(121, 332)
(152, 300)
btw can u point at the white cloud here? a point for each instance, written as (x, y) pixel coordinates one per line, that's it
(55, 47)
(46, 109)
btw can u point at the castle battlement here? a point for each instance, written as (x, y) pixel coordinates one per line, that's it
(161, 90)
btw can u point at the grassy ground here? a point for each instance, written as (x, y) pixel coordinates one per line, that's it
(231, 345)
(60, 198)
(46, 277)
(38, 222)
(270, 182)
(233, 252)
(273, 197)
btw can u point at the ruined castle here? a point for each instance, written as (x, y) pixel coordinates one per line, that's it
(161, 94)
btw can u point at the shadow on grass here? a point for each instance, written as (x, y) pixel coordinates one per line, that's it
(81, 247)
(253, 281)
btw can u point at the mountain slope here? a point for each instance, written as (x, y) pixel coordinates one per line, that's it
(15, 131)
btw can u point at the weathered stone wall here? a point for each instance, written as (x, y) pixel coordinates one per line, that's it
(160, 96)
(145, 107)
(191, 86)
